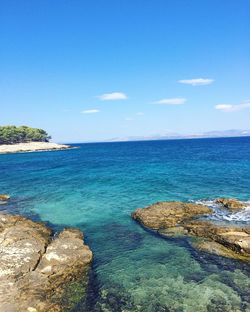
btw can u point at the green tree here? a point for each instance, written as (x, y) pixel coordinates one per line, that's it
(13, 134)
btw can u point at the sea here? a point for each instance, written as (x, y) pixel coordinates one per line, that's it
(96, 186)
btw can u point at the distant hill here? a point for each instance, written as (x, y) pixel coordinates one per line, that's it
(22, 134)
(173, 136)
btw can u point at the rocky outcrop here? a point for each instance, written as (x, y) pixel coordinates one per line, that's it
(174, 219)
(236, 240)
(4, 198)
(230, 203)
(168, 214)
(36, 270)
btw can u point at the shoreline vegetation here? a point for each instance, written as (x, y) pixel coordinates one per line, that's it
(23, 134)
(26, 139)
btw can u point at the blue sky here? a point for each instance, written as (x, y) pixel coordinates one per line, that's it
(98, 69)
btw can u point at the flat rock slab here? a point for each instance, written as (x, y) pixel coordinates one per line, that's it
(167, 214)
(36, 268)
(31, 147)
(231, 241)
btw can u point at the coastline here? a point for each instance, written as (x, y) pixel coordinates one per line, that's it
(33, 258)
(97, 187)
(32, 147)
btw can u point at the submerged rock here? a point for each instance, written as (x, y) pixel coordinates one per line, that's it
(230, 203)
(36, 269)
(175, 219)
(233, 242)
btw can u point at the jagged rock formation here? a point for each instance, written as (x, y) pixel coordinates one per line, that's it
(178, 219)
(230, 203)
(36, 270)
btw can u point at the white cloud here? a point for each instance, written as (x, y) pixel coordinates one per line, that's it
(224, 107)
(114, 96)
(197, 81)
(128, 119)
(90, 111)
(140, 114)
(172, 101)
(233, 107)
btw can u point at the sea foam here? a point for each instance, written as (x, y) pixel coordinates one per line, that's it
(241, 216)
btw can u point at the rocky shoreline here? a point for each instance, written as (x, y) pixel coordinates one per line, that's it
(178, 219)
(41, 272)
(32, 147)
(38, 271)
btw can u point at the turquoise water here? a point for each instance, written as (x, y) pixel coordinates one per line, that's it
(96, 187)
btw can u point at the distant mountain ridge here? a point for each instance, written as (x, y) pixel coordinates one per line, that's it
(172, 136)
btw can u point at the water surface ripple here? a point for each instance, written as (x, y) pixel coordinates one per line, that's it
(97, 186)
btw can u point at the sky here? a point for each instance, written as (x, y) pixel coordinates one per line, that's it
(90, 70)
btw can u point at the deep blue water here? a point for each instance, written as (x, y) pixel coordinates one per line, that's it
(96, 187)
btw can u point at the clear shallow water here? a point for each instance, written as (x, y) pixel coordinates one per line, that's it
(97, 186)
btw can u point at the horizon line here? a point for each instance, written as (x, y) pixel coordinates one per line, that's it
(158, 139)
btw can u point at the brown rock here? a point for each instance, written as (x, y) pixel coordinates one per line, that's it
(4, 197)
(34, 268)
(168, 214)
(174, 231)
(230, 203)
(236, 240)
(218, 249)
(175, 219)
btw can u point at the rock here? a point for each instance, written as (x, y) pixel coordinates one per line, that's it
(168, 214)
(174, 231)
(176, 219)
(4, 197)
(218, 249)
(230, 241)
(230, 203)
(36, 269)
(32, 147)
